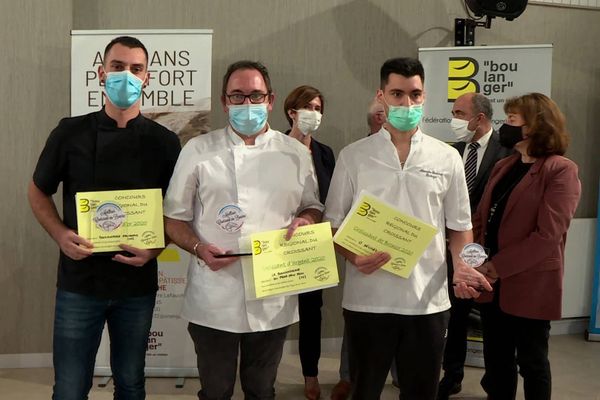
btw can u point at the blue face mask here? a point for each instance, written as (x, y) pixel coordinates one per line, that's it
(405, 118)
(248, 119)
(123, 88)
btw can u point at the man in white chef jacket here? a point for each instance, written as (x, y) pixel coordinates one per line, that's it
(228, 184)
(388, 317)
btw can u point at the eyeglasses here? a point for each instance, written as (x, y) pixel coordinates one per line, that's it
(238, 98)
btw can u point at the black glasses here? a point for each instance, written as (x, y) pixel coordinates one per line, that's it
(239, 98)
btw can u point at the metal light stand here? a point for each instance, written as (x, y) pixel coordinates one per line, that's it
(464, 30)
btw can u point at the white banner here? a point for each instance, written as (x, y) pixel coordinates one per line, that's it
(179, 64)
(170, 351)
(178, 96)
(497, 72)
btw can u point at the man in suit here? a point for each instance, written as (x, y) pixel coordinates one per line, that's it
(478, 145)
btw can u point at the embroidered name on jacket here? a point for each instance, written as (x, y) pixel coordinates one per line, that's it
(431, 173)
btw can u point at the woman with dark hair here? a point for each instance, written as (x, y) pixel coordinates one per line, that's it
(303, 108)
(523, 218)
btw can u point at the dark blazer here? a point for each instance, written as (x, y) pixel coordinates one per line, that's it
(324, 162)
(532, 235)
(493, 153)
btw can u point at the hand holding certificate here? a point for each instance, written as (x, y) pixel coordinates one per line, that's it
(282, 267)
(373, 226)
(111, 218)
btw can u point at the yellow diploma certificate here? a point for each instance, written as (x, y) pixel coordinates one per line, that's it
(111, 218)
(304, 263)
(373, 225)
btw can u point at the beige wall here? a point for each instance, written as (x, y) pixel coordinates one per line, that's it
(336, 46)
(34, 80)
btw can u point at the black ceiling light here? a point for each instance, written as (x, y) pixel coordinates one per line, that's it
(464, 28)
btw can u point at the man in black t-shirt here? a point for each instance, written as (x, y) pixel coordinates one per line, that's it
(115, 148)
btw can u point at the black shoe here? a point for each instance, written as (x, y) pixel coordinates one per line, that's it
(447, 388)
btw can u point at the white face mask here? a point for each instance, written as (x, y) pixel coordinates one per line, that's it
(461, 130)
(308, 121)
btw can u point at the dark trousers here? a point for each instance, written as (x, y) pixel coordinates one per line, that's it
(78, 324)
(415, 341)
(309, 341)
(217, 355)
(503, 336)
(455, 352)
(344, 361)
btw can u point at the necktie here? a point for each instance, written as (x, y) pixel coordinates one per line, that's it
(471, 165)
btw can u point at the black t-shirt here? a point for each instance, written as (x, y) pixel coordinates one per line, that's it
(500, 196)
(90, 153)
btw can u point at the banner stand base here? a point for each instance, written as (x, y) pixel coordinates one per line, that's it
(475, 353)
(104, 381)
(592, 337)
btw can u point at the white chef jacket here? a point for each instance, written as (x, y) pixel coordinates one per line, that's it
(229, 190)
(431, 187)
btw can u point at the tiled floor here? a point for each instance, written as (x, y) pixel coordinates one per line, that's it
(575, 368)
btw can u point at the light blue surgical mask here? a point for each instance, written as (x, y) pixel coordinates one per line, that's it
(123, 88)
(405, 118)
(248, 119)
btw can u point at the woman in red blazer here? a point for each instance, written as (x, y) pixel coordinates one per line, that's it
(523, 218)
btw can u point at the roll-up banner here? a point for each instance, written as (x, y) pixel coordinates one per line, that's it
(178, 96)
(497, 72)
(593, 333)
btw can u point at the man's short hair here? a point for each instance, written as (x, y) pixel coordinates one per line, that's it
(127, 41)
(246, 64)
(405, 66)
(482, 104)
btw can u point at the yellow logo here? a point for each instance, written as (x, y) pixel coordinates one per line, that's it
(461, 71)
(363, 209)
(256, 247)
(84, 205)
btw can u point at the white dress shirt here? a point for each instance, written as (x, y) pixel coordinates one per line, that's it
(431, 187)
(483, 143)
(228, 190)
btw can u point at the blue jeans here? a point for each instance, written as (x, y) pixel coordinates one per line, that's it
(78, 324)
